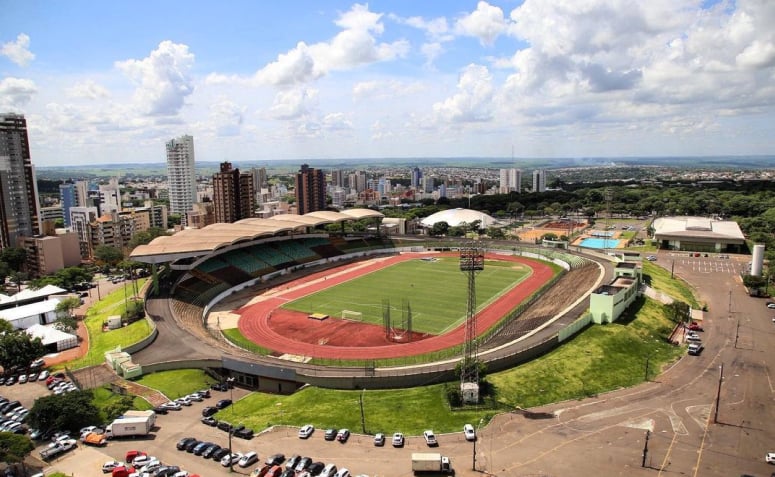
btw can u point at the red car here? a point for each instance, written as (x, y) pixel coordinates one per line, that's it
(132, 455)
(694, 326)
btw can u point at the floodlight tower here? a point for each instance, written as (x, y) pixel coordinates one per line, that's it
(471, 261)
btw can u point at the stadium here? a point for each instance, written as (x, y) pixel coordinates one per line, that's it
(294, 300)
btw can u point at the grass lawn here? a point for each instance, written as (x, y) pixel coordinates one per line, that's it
(177, 383)
(406, 410)
(102, 341)
(436, 292)
(659, 279)
(104, 398)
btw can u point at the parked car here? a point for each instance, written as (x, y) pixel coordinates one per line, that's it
(208, 453)
(771, 305)
(430, 438)
(223, 403)
(398, 439)
(181, 445)
(695, 349)
(303, 464)
(110, 465)
(469, 432)
(244, 433)
(134, 454)
(292, 461)
(191, 445)
(693, 336)
(43, 375)
(342, 473)
(231, 459)
(379, 439)
(770, 458)
(140, 459)
(694, 326)
(329, 470)
(330, 434)
(248, 459)
(316, 468)
(161, 410)
(343, 435)
(199, 448)
(275, 459)
(218, 455)
(209, 411)
(172, 406)
(306, 431)
(185, 400)
(210, 421)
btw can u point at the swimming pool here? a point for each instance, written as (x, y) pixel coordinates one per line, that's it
(599, 243)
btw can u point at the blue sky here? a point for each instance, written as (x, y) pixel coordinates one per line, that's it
(254, 81)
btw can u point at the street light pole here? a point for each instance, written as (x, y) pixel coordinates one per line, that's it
(230, 383)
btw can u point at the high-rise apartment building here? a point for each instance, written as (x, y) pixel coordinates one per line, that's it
(310, 190)
(68, 199)
(18, 190)
(539, 180)
(337, 178)
(234, 194)
(416, 176)
(110, 197)
(181, 176)
(510, 181)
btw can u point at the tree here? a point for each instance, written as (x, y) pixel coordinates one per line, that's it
(495, 233)
(17, 278)
(108, 254)
(65, 320)
(15, 257)
(68, 411)
(677, 311)
(19, 349)
(135, 310)
(14, 448)
(439, 228)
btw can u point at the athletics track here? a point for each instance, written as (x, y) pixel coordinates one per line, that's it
(293, 333)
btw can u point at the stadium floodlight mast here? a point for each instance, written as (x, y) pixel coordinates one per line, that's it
(471, 261)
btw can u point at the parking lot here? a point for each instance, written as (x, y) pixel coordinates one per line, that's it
(358, 454)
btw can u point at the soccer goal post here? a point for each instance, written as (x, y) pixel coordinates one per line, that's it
(352, 315)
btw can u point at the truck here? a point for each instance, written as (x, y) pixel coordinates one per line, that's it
(94, 439)
(149, 413)
(130, 427)
(431, 462)
(58, 448)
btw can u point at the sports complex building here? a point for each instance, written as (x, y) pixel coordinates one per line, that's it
(246, 277)
(698, 234)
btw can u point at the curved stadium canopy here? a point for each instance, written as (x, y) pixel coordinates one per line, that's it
(197, 242)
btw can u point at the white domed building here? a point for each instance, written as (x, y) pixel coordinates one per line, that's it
(458, 217)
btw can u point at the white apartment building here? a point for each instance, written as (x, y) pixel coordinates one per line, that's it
(539, 180)
(181, 176)
(510, 181)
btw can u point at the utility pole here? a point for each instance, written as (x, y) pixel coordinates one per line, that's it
(646, 376)
(718, 392)
(363, 416)
(645, 448)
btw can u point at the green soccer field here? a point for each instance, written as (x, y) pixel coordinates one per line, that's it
(436, 292)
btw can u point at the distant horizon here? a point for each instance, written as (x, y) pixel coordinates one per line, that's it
(759, 161)
(114, 81)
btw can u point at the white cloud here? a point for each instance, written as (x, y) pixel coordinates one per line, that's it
(486, 23)
(18, 51)
(354, 46)
(757, 55)
(87, 89)
(227, 116)
(472, 102)
(293, 104)
(387, 89)
(16, 92)
(163, 79)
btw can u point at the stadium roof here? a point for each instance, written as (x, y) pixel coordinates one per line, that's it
(457, 217)
(197, 242)
(698, 228)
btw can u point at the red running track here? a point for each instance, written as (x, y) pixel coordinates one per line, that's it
(256, 324)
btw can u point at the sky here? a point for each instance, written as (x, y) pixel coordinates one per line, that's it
(111, 82)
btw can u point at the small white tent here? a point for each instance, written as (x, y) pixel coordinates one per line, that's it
(52, 337)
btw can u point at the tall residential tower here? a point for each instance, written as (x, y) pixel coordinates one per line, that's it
(234, 194)
(18, 190)
(310, 190)
(181, 176)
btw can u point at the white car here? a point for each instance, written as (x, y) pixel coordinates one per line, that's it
(469, 432)
(172, 405)
(231, 459)
(770, 305)
(342, 473)
(43, 375)
(430, 438)
(306, 431)
(770, 458)
(693, 336)
(185, 400)
(398, 439)
(379, 439)
(110, 465)
(651, 258)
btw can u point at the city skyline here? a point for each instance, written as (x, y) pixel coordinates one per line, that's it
(102, 83)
